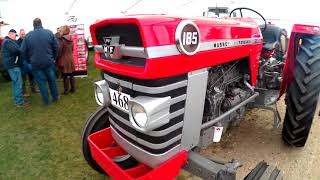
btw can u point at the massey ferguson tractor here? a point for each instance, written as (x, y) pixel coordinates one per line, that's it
(171, 86)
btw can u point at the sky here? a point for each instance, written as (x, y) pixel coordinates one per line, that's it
(20, 13)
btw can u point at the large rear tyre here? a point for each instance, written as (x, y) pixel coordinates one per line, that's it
(303, 92)
(98, 121)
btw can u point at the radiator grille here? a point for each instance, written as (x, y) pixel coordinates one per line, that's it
(163, 138)
(129, 35)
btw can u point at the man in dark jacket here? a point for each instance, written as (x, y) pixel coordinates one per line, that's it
(23, 58)
(40, 46)
(10, 53)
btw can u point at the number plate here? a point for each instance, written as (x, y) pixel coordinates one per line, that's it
(120, 100)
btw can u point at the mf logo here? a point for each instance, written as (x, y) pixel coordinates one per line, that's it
(107, 48)
(109, 45)
(107, 40)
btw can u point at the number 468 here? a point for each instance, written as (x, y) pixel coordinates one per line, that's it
(189, 38)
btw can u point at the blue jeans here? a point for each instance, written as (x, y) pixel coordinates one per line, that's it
(42, 77)
(15, 74)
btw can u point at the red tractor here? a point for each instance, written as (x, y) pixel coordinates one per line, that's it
(172, 85)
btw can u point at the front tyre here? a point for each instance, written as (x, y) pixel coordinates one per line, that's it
(96, 122)
(303, 92)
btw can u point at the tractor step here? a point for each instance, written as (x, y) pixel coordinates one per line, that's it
(267, 100)
(263, 171)
(216, 170)
(266, 97)
(211, 169)
(103, 150)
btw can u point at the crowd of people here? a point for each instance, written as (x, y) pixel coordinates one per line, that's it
(36, 56)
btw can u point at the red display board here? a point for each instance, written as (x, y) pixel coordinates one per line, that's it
(79, 49)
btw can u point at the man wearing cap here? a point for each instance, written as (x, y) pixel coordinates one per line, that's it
(10, 53)
(40, 46)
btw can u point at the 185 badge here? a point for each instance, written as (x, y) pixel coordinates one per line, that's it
(187, 37)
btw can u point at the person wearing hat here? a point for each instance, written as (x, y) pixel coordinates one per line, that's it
(10, 53)
(40, 46)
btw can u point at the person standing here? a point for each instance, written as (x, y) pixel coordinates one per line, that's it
(40, 46)
(58, 33)
(58, 37)
(10, 53)
(65, 60)
(23, 58)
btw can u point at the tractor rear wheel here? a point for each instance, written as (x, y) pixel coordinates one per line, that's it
(303, 92)
(96, 122)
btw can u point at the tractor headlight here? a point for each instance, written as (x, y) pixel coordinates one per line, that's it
(102, 94)
(139, 115)
(148, 113)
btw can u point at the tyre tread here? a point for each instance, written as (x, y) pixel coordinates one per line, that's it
(304, 67)
(313, 60)
(307, 51)
(302, 93)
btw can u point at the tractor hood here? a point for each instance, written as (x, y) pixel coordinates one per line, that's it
(142, 46)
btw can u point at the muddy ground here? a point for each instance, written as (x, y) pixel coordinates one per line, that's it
(256, 140)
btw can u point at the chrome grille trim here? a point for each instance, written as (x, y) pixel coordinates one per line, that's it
(151, 133)
(166, 131)
(164, 138)
(120, 118)
(178, 99)
(122, 130)
(161, 89)
(118, 81)
(172, 50)
(146, 143)
(133, 51)
(176, 113)
(146, 89)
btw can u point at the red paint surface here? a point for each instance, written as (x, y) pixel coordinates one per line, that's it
(103, 149)
(288, 70)
(297, 31)
(160, 30)
(306, 29)
(266, 54)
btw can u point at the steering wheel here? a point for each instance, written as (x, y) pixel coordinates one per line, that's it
(241, 8)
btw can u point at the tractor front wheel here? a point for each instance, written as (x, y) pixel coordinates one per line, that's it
(303, 92)
(96, 122)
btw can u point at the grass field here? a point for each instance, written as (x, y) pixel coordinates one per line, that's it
(41, 142)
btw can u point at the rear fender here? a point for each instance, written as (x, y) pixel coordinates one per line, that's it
(297, 32)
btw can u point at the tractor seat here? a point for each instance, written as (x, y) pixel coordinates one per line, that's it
(271, 36)
(269, 46)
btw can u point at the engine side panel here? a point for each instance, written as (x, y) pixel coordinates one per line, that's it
(196, 92)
